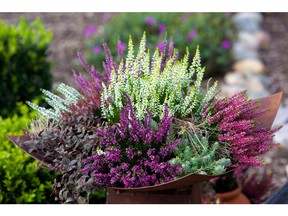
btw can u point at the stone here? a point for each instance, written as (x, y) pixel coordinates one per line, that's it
(234, 78)
(250, 81)
(262, 37)
(246, 46)
(281, 136)
(248, 22)
(229, 90)
(249, 64)
(281, 117)
(240, 51)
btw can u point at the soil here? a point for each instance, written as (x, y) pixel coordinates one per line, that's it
(276, 54)
(67, 29)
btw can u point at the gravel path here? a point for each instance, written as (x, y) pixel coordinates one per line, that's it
(275, 57)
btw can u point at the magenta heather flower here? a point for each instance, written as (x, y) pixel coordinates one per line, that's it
(234, 118)
(192, 34)
(90, 30)
(161, 46)
(226, 44)
(91, 89)
(150, 21)
(132, 153)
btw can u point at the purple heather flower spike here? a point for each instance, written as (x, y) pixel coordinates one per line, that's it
(161, 46)
(121, 47)
(122, 164)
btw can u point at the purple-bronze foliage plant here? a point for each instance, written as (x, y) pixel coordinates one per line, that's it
(233, 118)
(132, 153)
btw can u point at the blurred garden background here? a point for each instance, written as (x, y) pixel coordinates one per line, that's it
(39, 50)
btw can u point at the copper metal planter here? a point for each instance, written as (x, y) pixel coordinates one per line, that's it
(183, 190)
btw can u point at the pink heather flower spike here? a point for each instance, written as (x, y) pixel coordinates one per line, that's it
(233, 116)
(121, 47)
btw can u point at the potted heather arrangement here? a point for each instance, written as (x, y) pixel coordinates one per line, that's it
(146, 127)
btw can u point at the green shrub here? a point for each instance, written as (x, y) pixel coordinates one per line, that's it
(20, 180)
(24, 67)
(211, 31)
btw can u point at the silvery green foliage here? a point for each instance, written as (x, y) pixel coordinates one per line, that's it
(57, 103)
(151, 86)
(196, 155)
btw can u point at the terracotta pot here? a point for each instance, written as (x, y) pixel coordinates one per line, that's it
(233, 197)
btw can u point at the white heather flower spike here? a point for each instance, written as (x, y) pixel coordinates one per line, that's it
(151, 85)
(57, 103)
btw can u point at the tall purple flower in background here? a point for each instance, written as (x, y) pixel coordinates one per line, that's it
(161, 28)
(106, 17)
(90, 30)
(192, 34)
(150, 21)
(97, 49)
(226, 44)
(121, 47)
(184, 18)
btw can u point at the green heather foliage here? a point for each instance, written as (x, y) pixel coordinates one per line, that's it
(196, 155)
(152, 88)
(24, 67)
(211, 31)
(21, 181)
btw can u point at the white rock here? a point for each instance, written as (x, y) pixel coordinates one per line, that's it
(246, 46)
(281, 116)
(233, 78)
(229, 90)
(240, 51)
(249, 64)
(249, 22)
(282, 136)
(262, 37)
